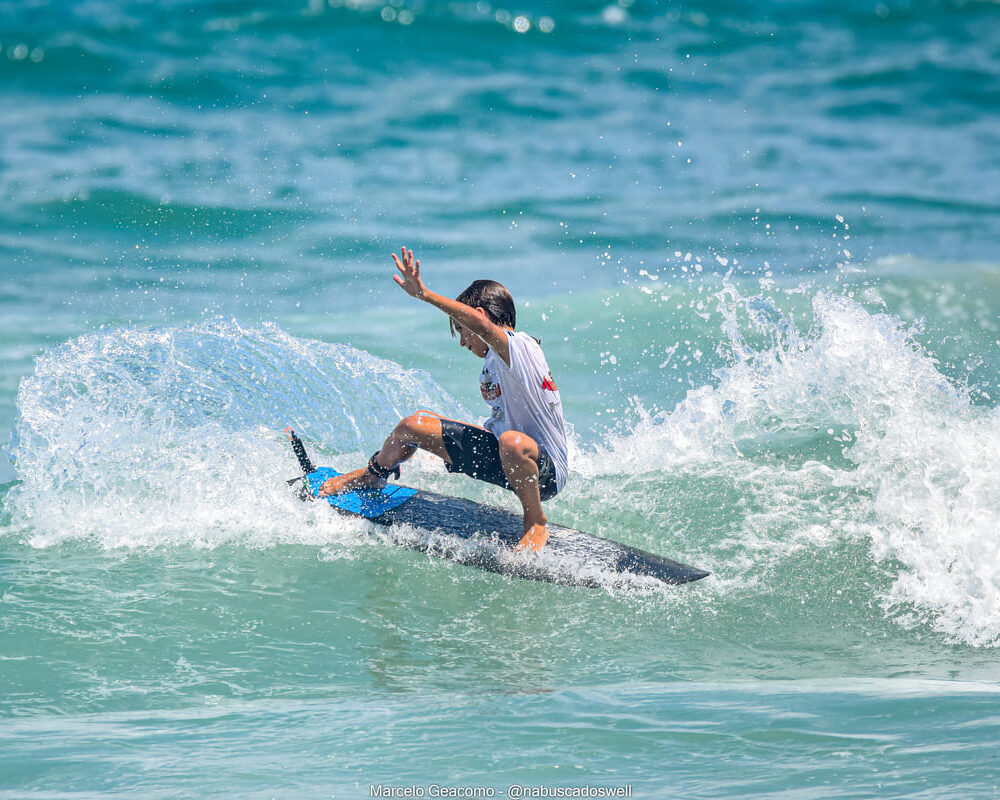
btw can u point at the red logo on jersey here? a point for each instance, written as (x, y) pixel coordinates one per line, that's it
(548, 384)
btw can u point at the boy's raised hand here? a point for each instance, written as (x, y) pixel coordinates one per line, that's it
(409, 277)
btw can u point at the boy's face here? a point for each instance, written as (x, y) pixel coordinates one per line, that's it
(471, 342)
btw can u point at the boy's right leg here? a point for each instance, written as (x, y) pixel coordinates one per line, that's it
(418, 431)
(519, 454)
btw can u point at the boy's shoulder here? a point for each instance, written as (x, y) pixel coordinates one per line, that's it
(525, 341)
(525, 337)
(527, 347)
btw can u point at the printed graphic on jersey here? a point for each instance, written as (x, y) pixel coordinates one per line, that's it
(489, 387)
(549, 384)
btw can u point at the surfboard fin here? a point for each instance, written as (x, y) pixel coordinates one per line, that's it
(302, 491)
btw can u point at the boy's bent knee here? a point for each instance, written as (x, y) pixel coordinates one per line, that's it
(420, 425)
(517, 445)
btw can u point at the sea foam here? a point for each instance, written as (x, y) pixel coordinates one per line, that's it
(147, 437)
(853, 415)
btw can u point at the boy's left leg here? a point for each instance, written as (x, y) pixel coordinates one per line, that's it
(519, 455)
(419, 431)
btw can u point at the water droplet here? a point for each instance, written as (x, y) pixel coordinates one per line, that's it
(614, 15)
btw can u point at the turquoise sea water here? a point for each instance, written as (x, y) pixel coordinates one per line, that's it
(761, 246)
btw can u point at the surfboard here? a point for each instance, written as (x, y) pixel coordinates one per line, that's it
(481, 536)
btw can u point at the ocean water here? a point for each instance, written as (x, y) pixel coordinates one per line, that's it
(761, 246)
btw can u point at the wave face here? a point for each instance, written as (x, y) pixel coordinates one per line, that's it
(841, 431)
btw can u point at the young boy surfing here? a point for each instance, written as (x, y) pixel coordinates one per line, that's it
(522, 446)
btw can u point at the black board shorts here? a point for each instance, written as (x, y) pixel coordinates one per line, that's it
(476, 452)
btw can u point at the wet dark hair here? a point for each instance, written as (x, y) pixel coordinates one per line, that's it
(491, 297)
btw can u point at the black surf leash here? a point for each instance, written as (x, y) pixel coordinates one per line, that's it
(300, 452)
(305, 491)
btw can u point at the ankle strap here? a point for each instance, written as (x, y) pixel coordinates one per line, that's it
(382, 472)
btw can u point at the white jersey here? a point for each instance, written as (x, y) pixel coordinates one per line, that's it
(524, 398)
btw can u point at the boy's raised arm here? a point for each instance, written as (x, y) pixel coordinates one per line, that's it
(472, 319)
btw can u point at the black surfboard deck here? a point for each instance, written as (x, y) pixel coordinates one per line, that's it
(482, 536)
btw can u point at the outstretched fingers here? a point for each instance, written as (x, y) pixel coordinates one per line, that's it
(404, 264)
(400, 279)
(401, 266)
(409, 273)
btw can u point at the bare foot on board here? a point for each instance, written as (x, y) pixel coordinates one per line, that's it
(350, 482)
(534, 540)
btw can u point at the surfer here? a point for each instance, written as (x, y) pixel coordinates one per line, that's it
(522, 446)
